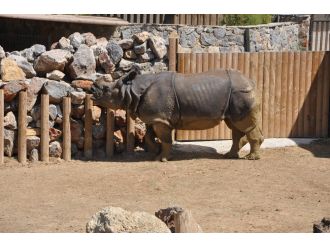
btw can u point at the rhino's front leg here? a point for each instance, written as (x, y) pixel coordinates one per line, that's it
(164, 133)
(151, 145)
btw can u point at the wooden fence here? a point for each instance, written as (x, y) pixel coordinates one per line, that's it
(320, 33)
(198, 19)
(294, 88)
(139, 18)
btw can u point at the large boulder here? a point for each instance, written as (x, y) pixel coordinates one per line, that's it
(89, 38)
(12, 88)
(10, 71)
(23, 63)
(10, 121)
(118, 220)
(55, 149)
(106, 63)
(158, 46)
(33, 90)
(76, 39)
(32, 142)
(51, 60)
(57, 90)
(83, 65)
(83, 84)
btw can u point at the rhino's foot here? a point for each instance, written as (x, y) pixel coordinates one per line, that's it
(162, 158)
(252, 156)
(231, 155)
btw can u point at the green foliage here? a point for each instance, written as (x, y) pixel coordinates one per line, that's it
(241, 20)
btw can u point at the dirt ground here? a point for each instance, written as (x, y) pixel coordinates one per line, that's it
(286, 191)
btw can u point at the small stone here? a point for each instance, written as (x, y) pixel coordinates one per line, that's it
(106, 63)
(12, 88)
(140, 131)
(76, 39)
(76, 128)
(50, 123)
(10, 71)
(34, 155)
(27, 54)
(120, 118)
(126, 43)
(55, 75)
(52, 112)
(102, 42)
(57, 90)
(51, 60)
(37, 50)
(35, 113)
(83, 84)
(208, 39)
(65, 44)
(115, 51)
(130, 54)
(54, 134)
(55, 149)
(140, 49)
(219, 33)
(96, 113)
(77, 98)
(89, 38)
(125, 65)
(32, 142)
(10, 121)
(54, 46)
(9, 139)
(146, 57)
(99, 131)
(158, 46)
(23, 63)
(141, 37)
(78, 111)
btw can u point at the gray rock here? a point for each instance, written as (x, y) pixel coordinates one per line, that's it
(55, 75)
(29, 119)
(34, 155)
(33, 90)
(146, 57)
(188, 40)
(52, 112)
(12, 88)
(78, 111)
(77, 98)
(9, 140)
(141, 48)
(126, 43)
(35, 113)
(208, 39)
(115, 51)
(83, 64)
(55, 149)
(76, 39)
(32, 142)
(89, 39)
(125, 65)
(65, 44)
(37, 50)
(57, 90)
(127, 32)
(51, 60)
(116, 220)
(10, 121)
(28, 54)
(106, 63)
(99, 131)
(158, 46)
(141, 37)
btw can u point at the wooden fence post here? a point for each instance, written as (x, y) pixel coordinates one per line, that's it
(22, 113)
(88, 142)
(110, 129)
(66, 129)
(44, 124)
(130, 133)
(2, 134)
(172, 51)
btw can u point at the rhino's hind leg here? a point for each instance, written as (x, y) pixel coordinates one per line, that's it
(239, 140)
(164, 133)
(151, 145)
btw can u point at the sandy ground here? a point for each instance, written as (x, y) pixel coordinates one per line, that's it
(286, 191)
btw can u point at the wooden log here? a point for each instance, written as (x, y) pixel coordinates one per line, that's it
(278, 87)
(44, 127)
(66, 129)
(319, 95)
(88, 137)
(246, 70)
(308, 83)
(284, 93)
(313, 93)
(295, 99)
(2, 116)
(130, 133)
(109, 150)
(272, 81)
(260, 80)
(289, 94)
(22, 113)
(181, 63)
(185, 223)
(302, 87)
(326, 96)
(172, 53)
(265, 103)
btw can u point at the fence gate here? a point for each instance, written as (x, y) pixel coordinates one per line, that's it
(294, 87)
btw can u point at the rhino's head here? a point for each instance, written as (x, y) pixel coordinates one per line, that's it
(112, 95)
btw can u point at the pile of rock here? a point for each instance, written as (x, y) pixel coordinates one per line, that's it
(70, 68)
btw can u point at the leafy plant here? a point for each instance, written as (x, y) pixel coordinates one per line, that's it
(246, 19)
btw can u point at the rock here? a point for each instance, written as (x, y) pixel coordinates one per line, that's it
(115, 51)
(89, 38)
(55, 75)
(219, 33)
(55, 149)
(130, 54)
(57, 90)
(322, 227)
(34, 155)
(77, 111)
(140, 131)
(9, 140)
(10, 71)
(83, 64)
(76, 39)
(102, 42)
(27, 54)
(59, 115)
(208, 39)
(125, 65)
(35, 113)
(33, 90)
(83, 84)
(51, 60)
(65, 44)
(37, 50)
(106, 63)
(167, 216)
(2, 53)
(12, 88)
(126, 43)
(96, 113)
(78, 98)
(29, 119)
(76, 128)
(146, 57)
(32, 142)
(140, 49)
(158, 46)
(141, 37)
(54, 134)
(103, 79)
(118, 136)
(23, 63)
(52, 112)
(10, 121)
(120, 118)
(54, 46)
(189, 39)
(116, 220)
(99, 131)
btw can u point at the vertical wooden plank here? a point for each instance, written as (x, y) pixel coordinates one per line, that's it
(172, 53)
(213, 20)
(179, 133)
(272, 81)
(302, 81)
(278, 86)
(241, 62)
(130, 133)
(323, 36)
(200, 19)
(22, 113)
(313, 93)
(319, 94)
(109, 149)
(260, 79)
(295, 94)
(246, 69)
(284, 93)
(265, 103)
(289, 94)
(327, 36)
(308, 83)
(326, 95)
(144, 19)
(44, 121)
(253, 67)
(188, 19)
(2, 129)
(194, 20)
(234, 60)
(206, 19)
(138, 18)
(66, 128)
(182, 19)
(151, 19)
(158, 19)
(88, 138)
(317, 36)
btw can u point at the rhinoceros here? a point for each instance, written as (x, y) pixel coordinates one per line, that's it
(170, 100)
